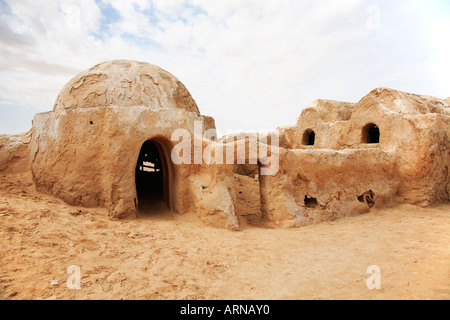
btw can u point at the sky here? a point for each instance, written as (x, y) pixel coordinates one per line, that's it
(253, 65)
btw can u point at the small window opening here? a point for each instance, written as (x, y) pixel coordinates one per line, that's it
(309, 138)
(310, 202)
(371, 133)
(91, 123)
(367, 198)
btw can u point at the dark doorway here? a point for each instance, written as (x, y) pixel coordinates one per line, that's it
(152, 178)
(309, 138)
(371, 133)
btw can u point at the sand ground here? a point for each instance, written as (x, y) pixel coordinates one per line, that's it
(175, 257)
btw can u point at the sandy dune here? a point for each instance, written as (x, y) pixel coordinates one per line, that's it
(172, 257)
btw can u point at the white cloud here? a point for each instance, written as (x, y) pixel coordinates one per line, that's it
(247, 63)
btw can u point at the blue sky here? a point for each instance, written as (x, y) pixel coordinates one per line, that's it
(251, 64)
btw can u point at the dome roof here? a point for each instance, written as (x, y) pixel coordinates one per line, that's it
(403, 103)
(125, 83)
(325, 111)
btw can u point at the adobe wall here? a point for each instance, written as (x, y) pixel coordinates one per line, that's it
(15, 152)
(414, 134)
(335, 179)
(88, 157)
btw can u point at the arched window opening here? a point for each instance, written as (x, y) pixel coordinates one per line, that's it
(370, 134)
(309, 138)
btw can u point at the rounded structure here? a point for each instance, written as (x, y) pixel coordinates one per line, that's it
(125, 83)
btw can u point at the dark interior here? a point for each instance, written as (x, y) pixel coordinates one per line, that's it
(309, 138)
(149, 179)
(311, 202)
(371, 133)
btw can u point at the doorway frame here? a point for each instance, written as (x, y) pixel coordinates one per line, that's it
(164, 147)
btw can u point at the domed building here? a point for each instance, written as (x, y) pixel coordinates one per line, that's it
(108, 141)
(125, 83)
(111, 138)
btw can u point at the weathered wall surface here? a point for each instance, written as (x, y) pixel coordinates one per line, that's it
(214, 199)
(85, 152)
(15, 152)
(88, 157)
(414, 134)
(325, 118)
(335, 179)
(416, 129)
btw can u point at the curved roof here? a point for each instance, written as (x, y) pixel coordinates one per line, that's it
(125, 83)
(326, 111)
(404, 103)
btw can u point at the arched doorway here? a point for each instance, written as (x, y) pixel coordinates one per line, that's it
(153, 175)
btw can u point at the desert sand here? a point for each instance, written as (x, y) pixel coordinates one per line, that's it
(169, 256)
